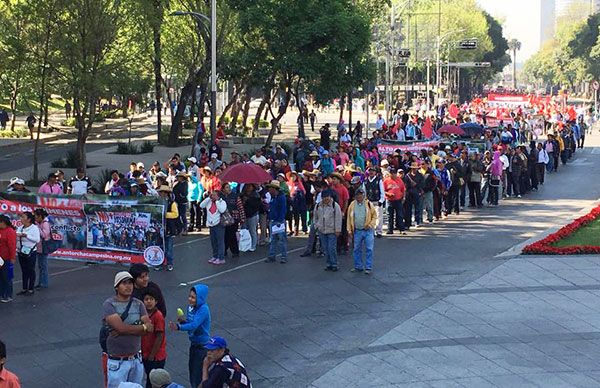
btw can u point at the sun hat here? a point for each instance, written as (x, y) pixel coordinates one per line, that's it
(336, 175)
(120, 276)
(165, 189)
(159, 377)
(313, 154)
(192, 159)
(275, 184)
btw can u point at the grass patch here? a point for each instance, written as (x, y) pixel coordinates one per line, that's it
(586, 235)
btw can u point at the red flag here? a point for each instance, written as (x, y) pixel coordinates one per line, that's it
(427, 128)
(572, 114)
(453, 111)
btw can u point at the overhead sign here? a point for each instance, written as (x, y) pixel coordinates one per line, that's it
(469, 44)
(470, 64)
(404, 53)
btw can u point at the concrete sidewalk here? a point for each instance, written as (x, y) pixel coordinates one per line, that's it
(533, 321)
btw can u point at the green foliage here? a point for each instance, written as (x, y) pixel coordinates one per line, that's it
(70, 160)
(127, 149)
(17, 133)
(261, 123)
(147, 147)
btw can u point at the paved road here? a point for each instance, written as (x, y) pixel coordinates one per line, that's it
(296, 325)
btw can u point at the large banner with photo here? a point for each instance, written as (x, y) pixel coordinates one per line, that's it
(95, 228)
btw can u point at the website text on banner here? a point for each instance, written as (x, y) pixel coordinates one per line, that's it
(98, 228)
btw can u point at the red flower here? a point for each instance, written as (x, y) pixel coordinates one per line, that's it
(545, 247)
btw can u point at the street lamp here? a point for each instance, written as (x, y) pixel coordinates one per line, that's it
(440, 41)
(212, 22)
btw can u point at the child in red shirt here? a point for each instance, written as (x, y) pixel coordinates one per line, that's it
(154, 345)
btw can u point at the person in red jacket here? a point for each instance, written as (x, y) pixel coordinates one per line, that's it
(343, 196)
(8, 250)
(394, 194)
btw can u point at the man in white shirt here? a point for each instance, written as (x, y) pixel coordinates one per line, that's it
(540, 166)
(380, 122)
(505, 165)
(258, 158)
(80, 184)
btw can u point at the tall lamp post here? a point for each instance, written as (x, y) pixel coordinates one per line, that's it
(212, 23)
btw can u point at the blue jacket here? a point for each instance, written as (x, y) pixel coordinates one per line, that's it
(197, 323)
(278, 208)
(195, 190)
(326, 166)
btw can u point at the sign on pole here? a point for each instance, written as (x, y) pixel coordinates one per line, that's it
(470, 64)
(469, 44)
(404, 53)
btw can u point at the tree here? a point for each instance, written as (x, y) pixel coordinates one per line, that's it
(514, 45)
(89, 29)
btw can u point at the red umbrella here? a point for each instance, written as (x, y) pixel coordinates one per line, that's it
(245, 173)
(452, 129)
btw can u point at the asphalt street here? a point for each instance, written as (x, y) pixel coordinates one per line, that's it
(292, 325)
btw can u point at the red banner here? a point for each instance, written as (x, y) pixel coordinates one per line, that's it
(507, 99)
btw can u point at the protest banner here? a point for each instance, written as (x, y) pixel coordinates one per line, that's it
(96, 228)
(387, 147)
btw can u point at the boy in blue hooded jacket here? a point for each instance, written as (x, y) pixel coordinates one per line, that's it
(197, 324)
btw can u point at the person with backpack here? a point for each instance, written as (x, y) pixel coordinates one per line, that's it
(174, 224)
(197, 324)
(221, 369)
(125, 321)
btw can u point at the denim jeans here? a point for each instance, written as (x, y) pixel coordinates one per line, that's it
(217, 241)
(278, 244)
(169, 249)
(428, 204)
(329, 245)
(124, 371)
(252, 226)
(197, 354)
(182, 209)
(6, 288)
(366, 237)
(395, 211)
(43, 270)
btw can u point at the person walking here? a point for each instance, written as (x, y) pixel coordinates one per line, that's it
(196, 322)
(394, 194)
(328, 223)
(221, 369)
(127, 321)
(173, 224)
(28, 236)
(43, 223)
(277, 212)
(362, 220)
(8, 249)
(376, 195)
(215, 207)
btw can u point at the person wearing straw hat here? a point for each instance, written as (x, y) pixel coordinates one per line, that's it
(173, 224)
(362, 220)
(328, 223)
(277, 213)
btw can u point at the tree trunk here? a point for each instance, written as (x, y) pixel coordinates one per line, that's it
(43, 104)
(156, 33)
(46, 103)
(13, 103)
(247, 99)
(275, 120)
(263, 103)
(176, 126)
(236, 112)
(342, 105)
(230, 104)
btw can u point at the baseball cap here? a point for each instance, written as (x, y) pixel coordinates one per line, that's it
(140, 164)
(159, 377)
(326, 193)
(213, 156)
(192, 159)
(216, 343)
(120, 276)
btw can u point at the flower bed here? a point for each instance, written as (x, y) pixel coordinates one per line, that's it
(547, 246)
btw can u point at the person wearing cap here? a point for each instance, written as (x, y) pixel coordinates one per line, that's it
(376, 195)
(173, 224)
(214, 207)
(361, 224)
(328, 223)
(17, 185)
(394, 194)
(180, 192)
(277, 215)
(327, 164)
(221, 369)
(79, 184)
(214, 163)
(160, 378)
(51, 186)
(124, 344)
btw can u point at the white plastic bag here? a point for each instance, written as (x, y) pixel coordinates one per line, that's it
(245, 242)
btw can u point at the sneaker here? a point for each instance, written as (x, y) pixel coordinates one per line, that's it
(170, 267)
(283, 261)
(270, 260)
(328, 268)
(219, 262)
(519, 196)
(24, 292)
(367, 271)
(212, 260)
(353, 270)
(3, 300)
(378, 235)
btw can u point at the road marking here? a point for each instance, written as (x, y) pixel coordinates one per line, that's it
(192, 282)
(192, 241)
(61, 272)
